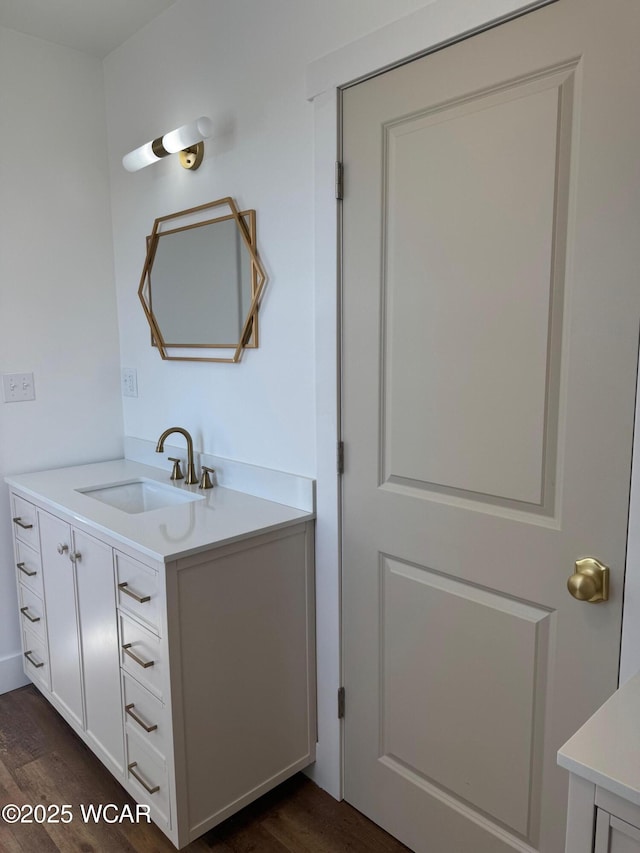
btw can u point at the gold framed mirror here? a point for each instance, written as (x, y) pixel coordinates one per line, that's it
(202, 281)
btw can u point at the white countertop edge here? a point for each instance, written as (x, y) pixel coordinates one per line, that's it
(60, 490)
(591, 774)
(138, 546)
(606, 749)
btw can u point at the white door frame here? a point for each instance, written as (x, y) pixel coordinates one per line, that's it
(434, 25)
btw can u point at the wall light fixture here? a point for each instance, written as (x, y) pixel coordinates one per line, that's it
(185, 141)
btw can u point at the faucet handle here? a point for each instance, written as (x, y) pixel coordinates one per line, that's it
(176, 474)
(205, 480)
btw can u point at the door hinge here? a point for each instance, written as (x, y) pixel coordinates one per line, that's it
(340, 702)
(339, 180)
(340, 457)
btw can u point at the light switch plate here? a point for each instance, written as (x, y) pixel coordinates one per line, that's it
(18, 387)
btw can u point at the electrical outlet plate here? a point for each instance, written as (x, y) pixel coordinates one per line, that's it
(18, 387)
(129, 382)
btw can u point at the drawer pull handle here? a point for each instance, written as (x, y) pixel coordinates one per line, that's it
(141, 599)
(25, 571)
(32, 661)
(18, 520)
(25, 612)
(143, 663)
(129, 710)
(140, 779)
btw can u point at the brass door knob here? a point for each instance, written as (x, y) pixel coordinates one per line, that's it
(590, 582)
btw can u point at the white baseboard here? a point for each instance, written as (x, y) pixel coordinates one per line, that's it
(11, 673)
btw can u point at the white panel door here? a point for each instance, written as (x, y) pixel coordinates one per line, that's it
(490, 329)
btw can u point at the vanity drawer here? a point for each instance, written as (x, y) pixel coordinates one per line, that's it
(145, 715)
(32, 612)
(138, 591)
(25, 522)
(140, 655)
(147, 774)
(36, 659)
(29, 567)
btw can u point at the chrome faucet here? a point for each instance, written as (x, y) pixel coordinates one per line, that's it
(191, 471)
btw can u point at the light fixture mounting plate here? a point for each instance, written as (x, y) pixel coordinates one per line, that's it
(191, 157)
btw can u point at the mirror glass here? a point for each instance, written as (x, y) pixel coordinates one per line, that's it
(215, 263)
(201, 283)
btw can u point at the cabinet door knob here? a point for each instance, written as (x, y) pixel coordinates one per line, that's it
(75, 557)
(62, 549)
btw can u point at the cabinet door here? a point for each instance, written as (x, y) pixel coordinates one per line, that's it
(614, 835)
(98, 630)
(60, 603)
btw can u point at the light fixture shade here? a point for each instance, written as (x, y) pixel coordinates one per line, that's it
(140, 158)
(176, 140)
(187, 135)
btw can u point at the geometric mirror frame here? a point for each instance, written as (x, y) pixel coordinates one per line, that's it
(202, 282)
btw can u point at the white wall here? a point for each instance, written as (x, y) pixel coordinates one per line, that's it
(57, 301)
(242, 63)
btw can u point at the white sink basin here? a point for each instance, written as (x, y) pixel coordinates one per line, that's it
(139, 495)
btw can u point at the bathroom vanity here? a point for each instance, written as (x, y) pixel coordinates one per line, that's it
(173, 629)
(603, 758)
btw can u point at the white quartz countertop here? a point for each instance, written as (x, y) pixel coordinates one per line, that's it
(220, 515)
(606, 750)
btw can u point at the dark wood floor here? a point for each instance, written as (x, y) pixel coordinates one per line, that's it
(43, 761)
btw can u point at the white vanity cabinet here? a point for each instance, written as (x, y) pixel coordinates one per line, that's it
(189, 673)
(80, 604)
(615, 835)
(603, 758)
(599, 821)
